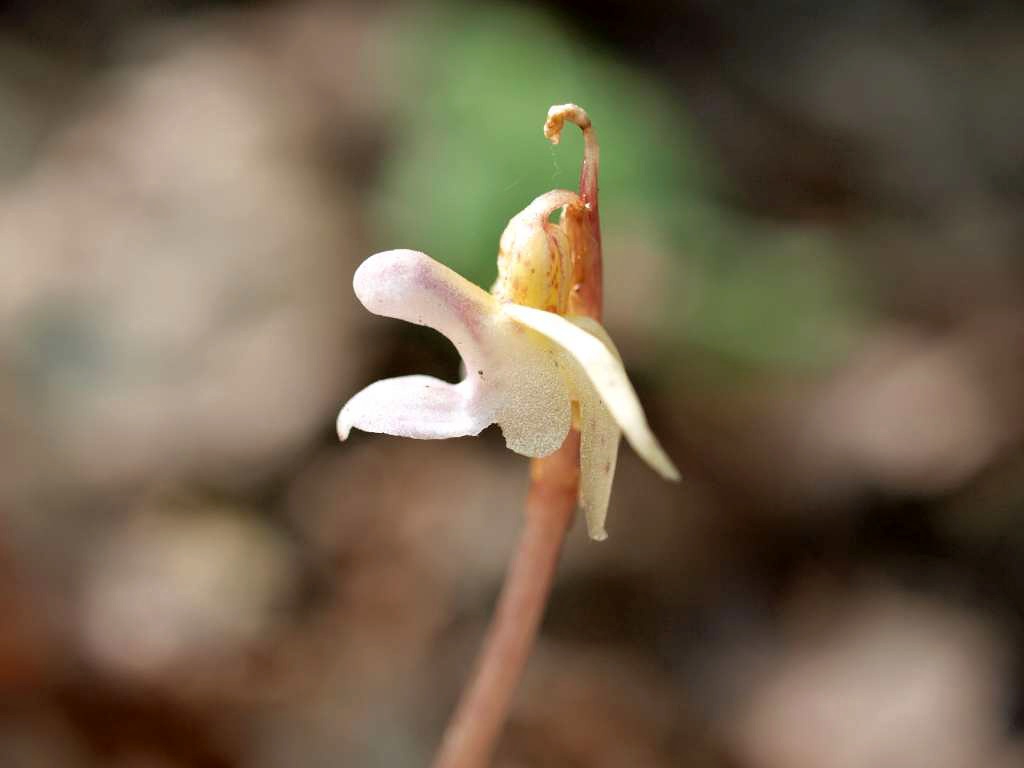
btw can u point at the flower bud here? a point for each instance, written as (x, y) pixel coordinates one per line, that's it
(535, 258)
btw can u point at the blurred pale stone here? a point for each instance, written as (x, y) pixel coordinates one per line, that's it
(905, 413)
(919, 415)
(177, 589)
(175, 266)
(887, 680)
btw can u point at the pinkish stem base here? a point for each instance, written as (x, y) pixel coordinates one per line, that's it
(472, 734)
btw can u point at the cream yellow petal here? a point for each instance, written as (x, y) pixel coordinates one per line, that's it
(608, 377)
(527, 381)
(599, 451)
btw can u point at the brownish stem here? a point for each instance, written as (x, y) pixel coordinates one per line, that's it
(473, 732)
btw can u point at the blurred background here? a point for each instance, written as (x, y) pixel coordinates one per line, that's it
(813, 235)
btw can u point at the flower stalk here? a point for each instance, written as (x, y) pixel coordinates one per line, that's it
(473, 732)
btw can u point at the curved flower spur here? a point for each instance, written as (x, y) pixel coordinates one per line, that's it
(537, 360)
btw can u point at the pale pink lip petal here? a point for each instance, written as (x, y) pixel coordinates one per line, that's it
(413, 406)
(512, 378)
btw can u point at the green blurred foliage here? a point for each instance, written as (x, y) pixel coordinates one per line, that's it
(470, 154)
(764, 297)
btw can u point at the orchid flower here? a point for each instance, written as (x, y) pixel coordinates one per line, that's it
(532, 367)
